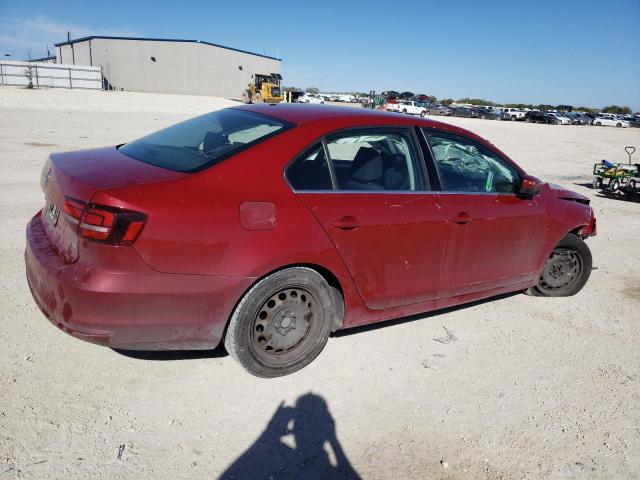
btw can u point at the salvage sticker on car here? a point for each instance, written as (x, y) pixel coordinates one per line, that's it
(52, 213)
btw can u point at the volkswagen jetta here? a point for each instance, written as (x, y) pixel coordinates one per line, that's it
(270, 226)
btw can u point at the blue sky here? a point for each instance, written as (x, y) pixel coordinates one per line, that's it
(575, 52)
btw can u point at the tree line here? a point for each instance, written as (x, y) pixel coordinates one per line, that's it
(616, 109)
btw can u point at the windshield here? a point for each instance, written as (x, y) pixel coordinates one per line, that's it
(203, 141)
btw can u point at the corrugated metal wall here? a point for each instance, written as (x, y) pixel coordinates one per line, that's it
(50, 75)
(170, 67)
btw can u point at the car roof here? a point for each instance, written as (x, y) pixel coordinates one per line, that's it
(304, 114)
(337, 117)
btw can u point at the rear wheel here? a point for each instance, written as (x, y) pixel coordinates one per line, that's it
(282, 323)
(423, 113)
(598, 124)
(567, 269)
(618, 125)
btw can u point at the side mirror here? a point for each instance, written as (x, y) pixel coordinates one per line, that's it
(529, 186)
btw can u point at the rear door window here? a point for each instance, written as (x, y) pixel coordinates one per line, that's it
(375, 160)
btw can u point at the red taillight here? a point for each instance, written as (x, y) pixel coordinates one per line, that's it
(104, 224)
(96, 223)
(72, 209)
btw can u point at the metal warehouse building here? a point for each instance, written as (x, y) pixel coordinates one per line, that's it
(164, 65)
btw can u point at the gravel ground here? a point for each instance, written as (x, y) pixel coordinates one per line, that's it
(516, 387)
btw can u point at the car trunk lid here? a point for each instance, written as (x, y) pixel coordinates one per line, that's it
(78, 176)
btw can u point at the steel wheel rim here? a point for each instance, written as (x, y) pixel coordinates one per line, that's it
(562, 270)
(283, 321)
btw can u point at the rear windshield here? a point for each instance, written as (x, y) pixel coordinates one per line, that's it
(203, 141)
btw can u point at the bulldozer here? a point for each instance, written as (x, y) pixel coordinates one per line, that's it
(265, 88)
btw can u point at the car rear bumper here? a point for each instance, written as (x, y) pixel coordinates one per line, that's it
(137, 308)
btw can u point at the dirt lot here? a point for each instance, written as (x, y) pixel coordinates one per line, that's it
(516, 387)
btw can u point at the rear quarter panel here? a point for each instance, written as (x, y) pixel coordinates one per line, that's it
(194, 223)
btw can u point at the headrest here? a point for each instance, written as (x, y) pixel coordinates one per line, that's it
(214, 140)
(367, 165)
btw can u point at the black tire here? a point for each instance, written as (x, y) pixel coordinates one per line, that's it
(632, 186)
(619, 125)
(258, 341)
(598, 124)
(423, 113)
(567, 269)
(404, 111)
(614, 185)
(597, 183)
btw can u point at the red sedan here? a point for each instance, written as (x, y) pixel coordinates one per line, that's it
(270, 226)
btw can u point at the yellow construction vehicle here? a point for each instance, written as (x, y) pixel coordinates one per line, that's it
(265, 88)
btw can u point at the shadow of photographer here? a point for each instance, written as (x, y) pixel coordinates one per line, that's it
(298, 442)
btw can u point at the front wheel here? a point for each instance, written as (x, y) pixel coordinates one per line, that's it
(597, 183)
(283, 322)
(614, 185)
(567, 269)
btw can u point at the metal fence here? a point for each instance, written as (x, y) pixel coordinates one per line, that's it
(52, 75)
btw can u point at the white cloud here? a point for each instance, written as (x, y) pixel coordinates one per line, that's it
(34, 35)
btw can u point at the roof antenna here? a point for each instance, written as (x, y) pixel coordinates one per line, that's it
(68, 36)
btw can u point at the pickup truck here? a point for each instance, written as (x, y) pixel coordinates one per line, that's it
(513, 114)
(407, 106)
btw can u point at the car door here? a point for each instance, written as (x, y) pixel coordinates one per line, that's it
(495, 236)
(374, 204)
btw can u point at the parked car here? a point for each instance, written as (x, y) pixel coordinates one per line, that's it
(632, 120)
(535, 116)
(464, 112)
(512, 114)
(562, 120)
(242, 226)
(407, 107)
(406, 96)
(488, 113)
(309, 98)
(610, 120)
(438, 109)
(390, 94)
(551, 119)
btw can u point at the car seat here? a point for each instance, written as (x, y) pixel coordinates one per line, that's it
(366, 170)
